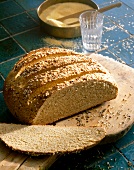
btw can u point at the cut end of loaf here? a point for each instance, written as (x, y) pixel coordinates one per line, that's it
(49, 84)
(84, 94)
(41, 140)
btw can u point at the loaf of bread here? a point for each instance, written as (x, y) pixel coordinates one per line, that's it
(49, 84)
(48, 139)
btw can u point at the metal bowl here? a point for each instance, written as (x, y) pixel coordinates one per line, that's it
(61, 32)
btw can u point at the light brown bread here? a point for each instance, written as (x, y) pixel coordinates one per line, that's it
(47, 139)
(49, 84)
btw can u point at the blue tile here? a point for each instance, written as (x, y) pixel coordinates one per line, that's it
(126, 140)
(127, 23)
(101, 1)
(19, 23)
(113, 34)
(113, 162)
(130, 3)
(108, 54)
(1, 82)
(37, 38)
(32, 39)
(6, 67)
(132, 65)
(3, 33)
(29, 4)
(106, 20)
(9, 8)
(5, 115)
(129, 152)
(124, 50)
(9, 49)
(33, 14)
(120, 12)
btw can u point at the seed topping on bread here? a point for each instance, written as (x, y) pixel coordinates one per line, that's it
(49, 78)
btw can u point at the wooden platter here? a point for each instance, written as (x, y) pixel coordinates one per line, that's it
(116, 116)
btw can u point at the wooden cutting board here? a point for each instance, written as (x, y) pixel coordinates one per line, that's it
(116, 116)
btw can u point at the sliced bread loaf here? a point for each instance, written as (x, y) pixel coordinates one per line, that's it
(47, 139)
(53, 83)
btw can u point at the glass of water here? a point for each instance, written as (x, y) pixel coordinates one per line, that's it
(91, 23)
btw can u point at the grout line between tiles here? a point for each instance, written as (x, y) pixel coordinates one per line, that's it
(11, 59)
(23, 7)
(125, 156)
(25, 11)
(17, 15)
(11, 36)
(99, 161)
(13, 15)
(124, 146)
(22, 33)
(117, 57)
(2, 76)
(126, 4)
(31, 17)
(119, 26)
(25, 31)
(19, 45)
(117, 150)
(20, 14)
(19, 4)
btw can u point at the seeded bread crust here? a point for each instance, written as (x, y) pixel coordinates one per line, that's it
(53, 83)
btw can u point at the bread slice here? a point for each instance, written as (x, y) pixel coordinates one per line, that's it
(49, 84)
(47, 139)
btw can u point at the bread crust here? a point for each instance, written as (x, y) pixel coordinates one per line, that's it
(49, 84)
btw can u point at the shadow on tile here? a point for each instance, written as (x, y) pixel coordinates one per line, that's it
(19, 23)
(9, 49)
(5, 115)
(3, 33)
(6, 66)
(29, 4)
(9, 8)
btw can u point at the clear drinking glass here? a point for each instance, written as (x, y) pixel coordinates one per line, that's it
(91, 23)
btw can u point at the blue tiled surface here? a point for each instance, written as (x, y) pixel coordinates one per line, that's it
(129, 3)
(123, 142)
(9, 49)
(36, 38)
(5, 67)
(127, 23)
(125, 50)
(19, 23)
(1, 83)
(116, 13)
(29, 4)
(9, 8)
(34, 15)
(113, 33)
(114, 161)
(3, 33)
(129, 152)
(32, 39)
(20, 32)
